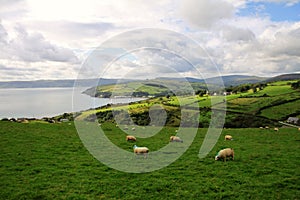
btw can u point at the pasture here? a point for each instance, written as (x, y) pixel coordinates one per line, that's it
(48, 161)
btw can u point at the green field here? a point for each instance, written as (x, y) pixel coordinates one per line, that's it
(275, 102)
(48, 161)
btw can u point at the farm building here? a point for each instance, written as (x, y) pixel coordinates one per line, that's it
(293, 120)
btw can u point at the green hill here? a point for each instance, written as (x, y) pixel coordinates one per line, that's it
(257, 106)
(145, 88)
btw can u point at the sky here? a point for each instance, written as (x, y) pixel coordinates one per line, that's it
(64, 39)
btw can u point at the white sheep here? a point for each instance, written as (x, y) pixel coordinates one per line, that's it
(228, 137)
(130, 138)
(140, 150)
(224, 153)
(298, 129)
(133, 128)
(175, 139)
(276, 129)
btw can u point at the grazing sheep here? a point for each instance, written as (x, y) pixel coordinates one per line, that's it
(266, 127)
(133, 128)
(298, 129)
(175, 139)
(130, 138)
(261, 127)
(276, 129)
(224, 153)
(140, 150)
(228, 137)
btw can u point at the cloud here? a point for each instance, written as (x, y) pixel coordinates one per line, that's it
(160, 51)
(28, 55)
(286, 43)
(33, 47)
(55, 36)
(3, 35)
(12, 9)
(232, 34)
(72, 32)
(273, 49)
(206, 13)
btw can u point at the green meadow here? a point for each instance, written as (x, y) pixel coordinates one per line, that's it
(40, 160)
(49, 161)
(265, 107)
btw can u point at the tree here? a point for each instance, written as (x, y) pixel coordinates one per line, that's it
(200, 92)
(296, 85)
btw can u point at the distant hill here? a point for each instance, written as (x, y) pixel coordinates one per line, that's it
(60, 83)
(233, 80)
(229, 80)
(284, 77)
(145, 88)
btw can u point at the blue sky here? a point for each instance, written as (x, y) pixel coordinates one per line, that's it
(275, 11)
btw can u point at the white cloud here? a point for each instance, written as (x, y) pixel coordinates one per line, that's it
(233, 34)
(25, 55)
(33, 47)
(273, 49)
(206, 13)
(12, 9)
(54, 36)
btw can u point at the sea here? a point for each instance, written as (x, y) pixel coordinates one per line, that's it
(49, 102)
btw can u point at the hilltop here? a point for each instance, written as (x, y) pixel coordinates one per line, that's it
(229, 80)
(167, 86)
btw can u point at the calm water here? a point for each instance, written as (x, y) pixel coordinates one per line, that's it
(48, 102)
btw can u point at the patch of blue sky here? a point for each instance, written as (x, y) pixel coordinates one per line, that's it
(275, 11)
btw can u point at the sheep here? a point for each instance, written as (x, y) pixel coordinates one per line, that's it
(130, 138)
(140, 150)
(266, 127)
(133, 128)
(298, 129)
(228, 137)
(224, 153)
(175, 139)
(276, 129)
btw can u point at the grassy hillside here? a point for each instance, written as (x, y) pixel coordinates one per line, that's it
(156, 87)
(277, 101)
(266, 106)
(48, 161)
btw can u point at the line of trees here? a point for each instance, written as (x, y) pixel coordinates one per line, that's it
(245, 87)
(295, 85)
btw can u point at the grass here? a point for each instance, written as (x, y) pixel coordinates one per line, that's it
(282, 111)
(279, 98)
(48, 161)
(152, 87)
(277, 101)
